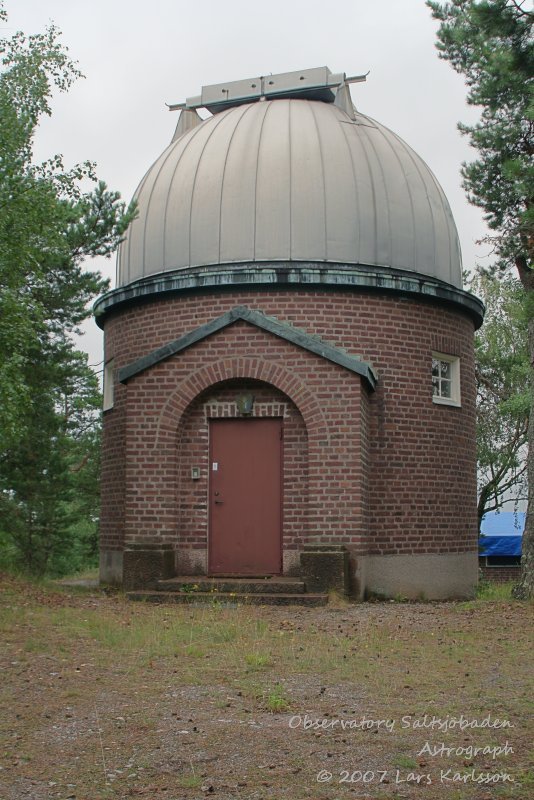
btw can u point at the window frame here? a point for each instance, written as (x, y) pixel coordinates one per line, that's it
(492, 562)
(455, 399)
(108, 393)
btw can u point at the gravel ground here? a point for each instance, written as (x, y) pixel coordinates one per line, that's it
(104, 699)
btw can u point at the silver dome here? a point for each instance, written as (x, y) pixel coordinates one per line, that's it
(290, 180)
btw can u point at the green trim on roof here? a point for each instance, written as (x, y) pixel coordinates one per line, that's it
(281, 329)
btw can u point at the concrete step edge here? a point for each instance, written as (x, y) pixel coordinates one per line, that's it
(233, 586)
(228, 597)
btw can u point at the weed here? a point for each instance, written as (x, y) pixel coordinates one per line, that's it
(190, 782)
(225, 633)
(36, 646)
(276, 700)
(194, 651)
(488, 590)
(189, 588)
(404, 761)
(337, 600)
(261, 627)
(256, 661)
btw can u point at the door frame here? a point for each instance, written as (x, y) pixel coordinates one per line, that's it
(246, 420)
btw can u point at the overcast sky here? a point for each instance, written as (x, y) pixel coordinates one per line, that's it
(137, 56)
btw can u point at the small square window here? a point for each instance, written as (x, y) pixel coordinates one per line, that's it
(108, 385)
(445, 379)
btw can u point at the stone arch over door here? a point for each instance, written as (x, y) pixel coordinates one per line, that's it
(251, 368)
(220, 402)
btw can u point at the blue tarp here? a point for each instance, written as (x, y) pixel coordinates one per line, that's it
(501, 534)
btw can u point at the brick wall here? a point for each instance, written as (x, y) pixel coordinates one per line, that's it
(501, 574)
(388, 472)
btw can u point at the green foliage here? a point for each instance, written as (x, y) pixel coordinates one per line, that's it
(490, 43)
(492, 591)
(49, 397)
(503, 399)
(275, 700)
(48, 225)
(49, 476)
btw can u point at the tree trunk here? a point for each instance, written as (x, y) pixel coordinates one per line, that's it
(525, 589)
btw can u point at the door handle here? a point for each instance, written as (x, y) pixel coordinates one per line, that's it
(219, 502)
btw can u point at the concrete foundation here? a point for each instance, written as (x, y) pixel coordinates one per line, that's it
(111, 563)
(144, 565)
(325, 569)
(419, 577)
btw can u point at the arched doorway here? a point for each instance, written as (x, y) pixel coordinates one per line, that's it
(242, 481)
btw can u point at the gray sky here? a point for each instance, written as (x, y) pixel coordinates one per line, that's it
(137, 56)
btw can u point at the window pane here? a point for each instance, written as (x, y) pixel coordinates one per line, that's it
(445, 369)
(446, 388)
(435, 387)
(435, 366)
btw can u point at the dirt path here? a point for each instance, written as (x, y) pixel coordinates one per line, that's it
(106, 699)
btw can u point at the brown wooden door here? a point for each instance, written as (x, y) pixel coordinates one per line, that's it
(245, 497)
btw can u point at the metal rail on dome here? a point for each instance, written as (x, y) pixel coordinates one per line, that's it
(318, 83)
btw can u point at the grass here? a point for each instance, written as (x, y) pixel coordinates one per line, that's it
(406, 762)
(495, 591)
(488, 592)
(257, 661)
(190, 782)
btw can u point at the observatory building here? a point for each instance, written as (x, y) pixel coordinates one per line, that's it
(289, 362)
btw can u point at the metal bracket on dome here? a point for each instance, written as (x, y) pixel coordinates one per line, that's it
(318, 83)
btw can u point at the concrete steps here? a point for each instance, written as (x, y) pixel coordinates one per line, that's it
(230, 591)
(268, 585)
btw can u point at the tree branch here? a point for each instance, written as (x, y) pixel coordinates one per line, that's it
(519, 7)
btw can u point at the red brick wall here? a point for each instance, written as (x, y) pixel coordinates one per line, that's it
(500, 574)
(113, 482)
(389, 471)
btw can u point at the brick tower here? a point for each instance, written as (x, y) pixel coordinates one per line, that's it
(289, 362)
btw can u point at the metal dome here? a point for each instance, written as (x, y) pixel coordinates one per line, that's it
(293, 180)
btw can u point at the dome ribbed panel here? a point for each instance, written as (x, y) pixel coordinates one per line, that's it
(180, 191)
(205, 227)
(238, 202)
(137, 239)
(308, 240)
(401, 235)
(341, 216)
(124, 262)
(375, 193)
(273, 185)
(154, 214)
(420, 250)
(290, 180)
(448, 234)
